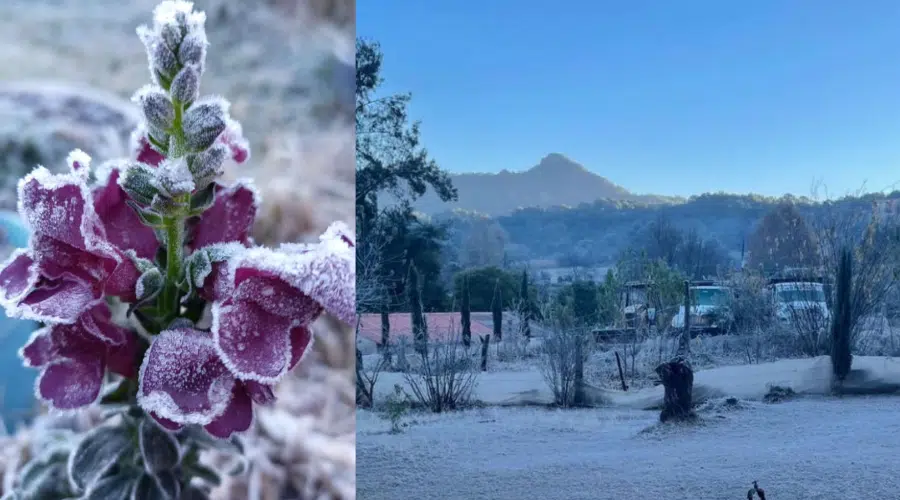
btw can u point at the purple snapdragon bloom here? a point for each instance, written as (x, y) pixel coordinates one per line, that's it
(161, 235)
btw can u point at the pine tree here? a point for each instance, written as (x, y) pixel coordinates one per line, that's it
(526, 306)
(497, 312)
(414, 295)
(841, 358)
(466, 314)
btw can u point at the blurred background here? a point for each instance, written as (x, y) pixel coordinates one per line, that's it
(67, 71)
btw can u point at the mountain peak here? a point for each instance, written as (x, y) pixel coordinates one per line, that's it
(558, 162)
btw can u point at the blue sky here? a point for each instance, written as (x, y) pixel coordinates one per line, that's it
(661, 97)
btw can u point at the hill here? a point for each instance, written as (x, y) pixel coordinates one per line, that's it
(555, 181)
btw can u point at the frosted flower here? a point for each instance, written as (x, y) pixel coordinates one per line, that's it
(183, 381)
(73, 358)
(263, 296)
(69, 264)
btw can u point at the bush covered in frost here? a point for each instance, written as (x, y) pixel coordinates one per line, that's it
(160, 233)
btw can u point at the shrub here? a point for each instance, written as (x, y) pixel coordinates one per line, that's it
(160, 233)
(563, 355)
(447, 378)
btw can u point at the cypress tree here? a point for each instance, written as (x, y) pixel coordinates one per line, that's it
(497, 312)
(841, 358)
(466, 314)
(419, 326)
(526, 306)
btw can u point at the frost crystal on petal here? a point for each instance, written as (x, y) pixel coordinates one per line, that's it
(182, 378)
(79, 161)
(233, 137)
(124, 228)
(252, 342)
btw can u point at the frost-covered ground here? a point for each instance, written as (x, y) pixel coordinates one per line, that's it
(812, 448)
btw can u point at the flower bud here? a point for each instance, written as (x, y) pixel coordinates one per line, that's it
(186, 85)
(171, 35)
(174, 177)
(139, 182)
(209, 165)
(193, 51)
(203, 122)
(156, 106)
(162, 59)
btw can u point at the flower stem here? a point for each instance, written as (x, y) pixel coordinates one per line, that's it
(174, 227)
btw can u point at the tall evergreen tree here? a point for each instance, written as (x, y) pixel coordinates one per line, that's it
(497, 312)
(466, 315)
(526, 306)
(841, 358)
(419, 326)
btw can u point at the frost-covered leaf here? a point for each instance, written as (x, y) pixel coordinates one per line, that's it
(96, 453)
(230, 218)
(149, 284)
(198, 436)
(159, 449)
(182, 378)
(198, 268)
(203, 198)
(185, 86)
(203, 123)
(156, 106)
(147, 216)
(205, 473)
(50, 482)
(167, 482)
(114, 487)
(147, 488)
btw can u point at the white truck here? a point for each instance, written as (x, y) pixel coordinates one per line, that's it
(710, 311)
(800, 301)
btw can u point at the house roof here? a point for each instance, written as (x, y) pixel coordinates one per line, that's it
(441, 326)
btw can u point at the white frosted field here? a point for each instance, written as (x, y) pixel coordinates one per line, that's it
(812, 447)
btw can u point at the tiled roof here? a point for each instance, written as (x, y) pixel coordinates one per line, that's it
(441, 326)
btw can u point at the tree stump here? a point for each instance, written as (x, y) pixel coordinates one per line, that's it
(678, 380)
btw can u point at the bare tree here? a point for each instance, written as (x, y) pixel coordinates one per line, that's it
(855, 224)
(447, 378)
(564, 351)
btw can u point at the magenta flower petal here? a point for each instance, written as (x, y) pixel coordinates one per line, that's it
(260, 393)
(325, 272)
(237, 417)
(166, 423)
(124, 228)
(123, 358)
(144, 152)
(233, 137)
(301, 338)
(38, 351)
(230, 218)
(252, 342)
(123, 281)
(60, 301)
(18, 276)
(98, 322)
(275, 296)
(58, 260)
(67, 384)
(182, 378)
(217, 286)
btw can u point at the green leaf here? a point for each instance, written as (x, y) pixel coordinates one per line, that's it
(167, 481)
(159, 449)
(203, 199)
(96, 453)
(114, 487)
(147, 215)
(205, 473)
(148, 488)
